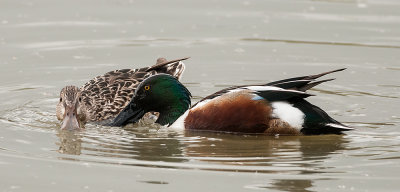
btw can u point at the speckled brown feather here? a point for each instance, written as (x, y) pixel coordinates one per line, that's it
(106, 95)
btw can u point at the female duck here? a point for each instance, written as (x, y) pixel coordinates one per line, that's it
(275, 108)
(105, 96)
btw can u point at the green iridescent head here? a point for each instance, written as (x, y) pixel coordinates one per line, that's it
(159, 93)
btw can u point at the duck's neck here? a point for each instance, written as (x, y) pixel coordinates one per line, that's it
(169, 116)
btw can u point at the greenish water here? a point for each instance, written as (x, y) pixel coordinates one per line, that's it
(46, 45)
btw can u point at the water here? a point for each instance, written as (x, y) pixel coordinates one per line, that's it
(46, 45)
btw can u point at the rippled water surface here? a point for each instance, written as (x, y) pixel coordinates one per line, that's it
(46, 45)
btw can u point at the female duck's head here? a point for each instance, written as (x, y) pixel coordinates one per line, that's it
(159, 93)
(70, 110)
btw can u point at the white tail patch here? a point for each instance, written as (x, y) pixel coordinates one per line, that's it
(286, 112)
(338, 126)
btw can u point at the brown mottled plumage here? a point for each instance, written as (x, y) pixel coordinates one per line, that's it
(105, 96)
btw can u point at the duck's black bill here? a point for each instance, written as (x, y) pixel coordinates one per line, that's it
(131, 114)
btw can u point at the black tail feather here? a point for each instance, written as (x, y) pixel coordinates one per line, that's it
(313, 77)
(309, 77)
(292, 84)
(313, 84)
(302, 83)
(317, 121)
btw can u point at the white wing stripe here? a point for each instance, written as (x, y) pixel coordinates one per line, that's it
(263, 88)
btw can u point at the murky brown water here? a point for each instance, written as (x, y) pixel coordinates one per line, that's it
(46, 45)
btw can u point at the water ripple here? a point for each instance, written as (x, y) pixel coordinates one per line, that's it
(345, 17)
(149, 41)
(63, 23)
(352, 93)
(334, 43)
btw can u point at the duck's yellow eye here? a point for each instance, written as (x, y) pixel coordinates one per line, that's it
(147, 87)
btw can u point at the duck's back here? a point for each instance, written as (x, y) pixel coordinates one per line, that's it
(106, 95)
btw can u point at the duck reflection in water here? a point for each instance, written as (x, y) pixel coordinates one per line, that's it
(288, 155)
(131, 142)
(70, 142)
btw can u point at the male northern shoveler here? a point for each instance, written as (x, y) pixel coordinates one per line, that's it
(105, 96)
(274, 108)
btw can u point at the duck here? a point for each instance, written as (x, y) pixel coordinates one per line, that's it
(275, 108)
(105, 96)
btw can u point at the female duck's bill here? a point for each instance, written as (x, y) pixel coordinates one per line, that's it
(104, 97)
(275, 108)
